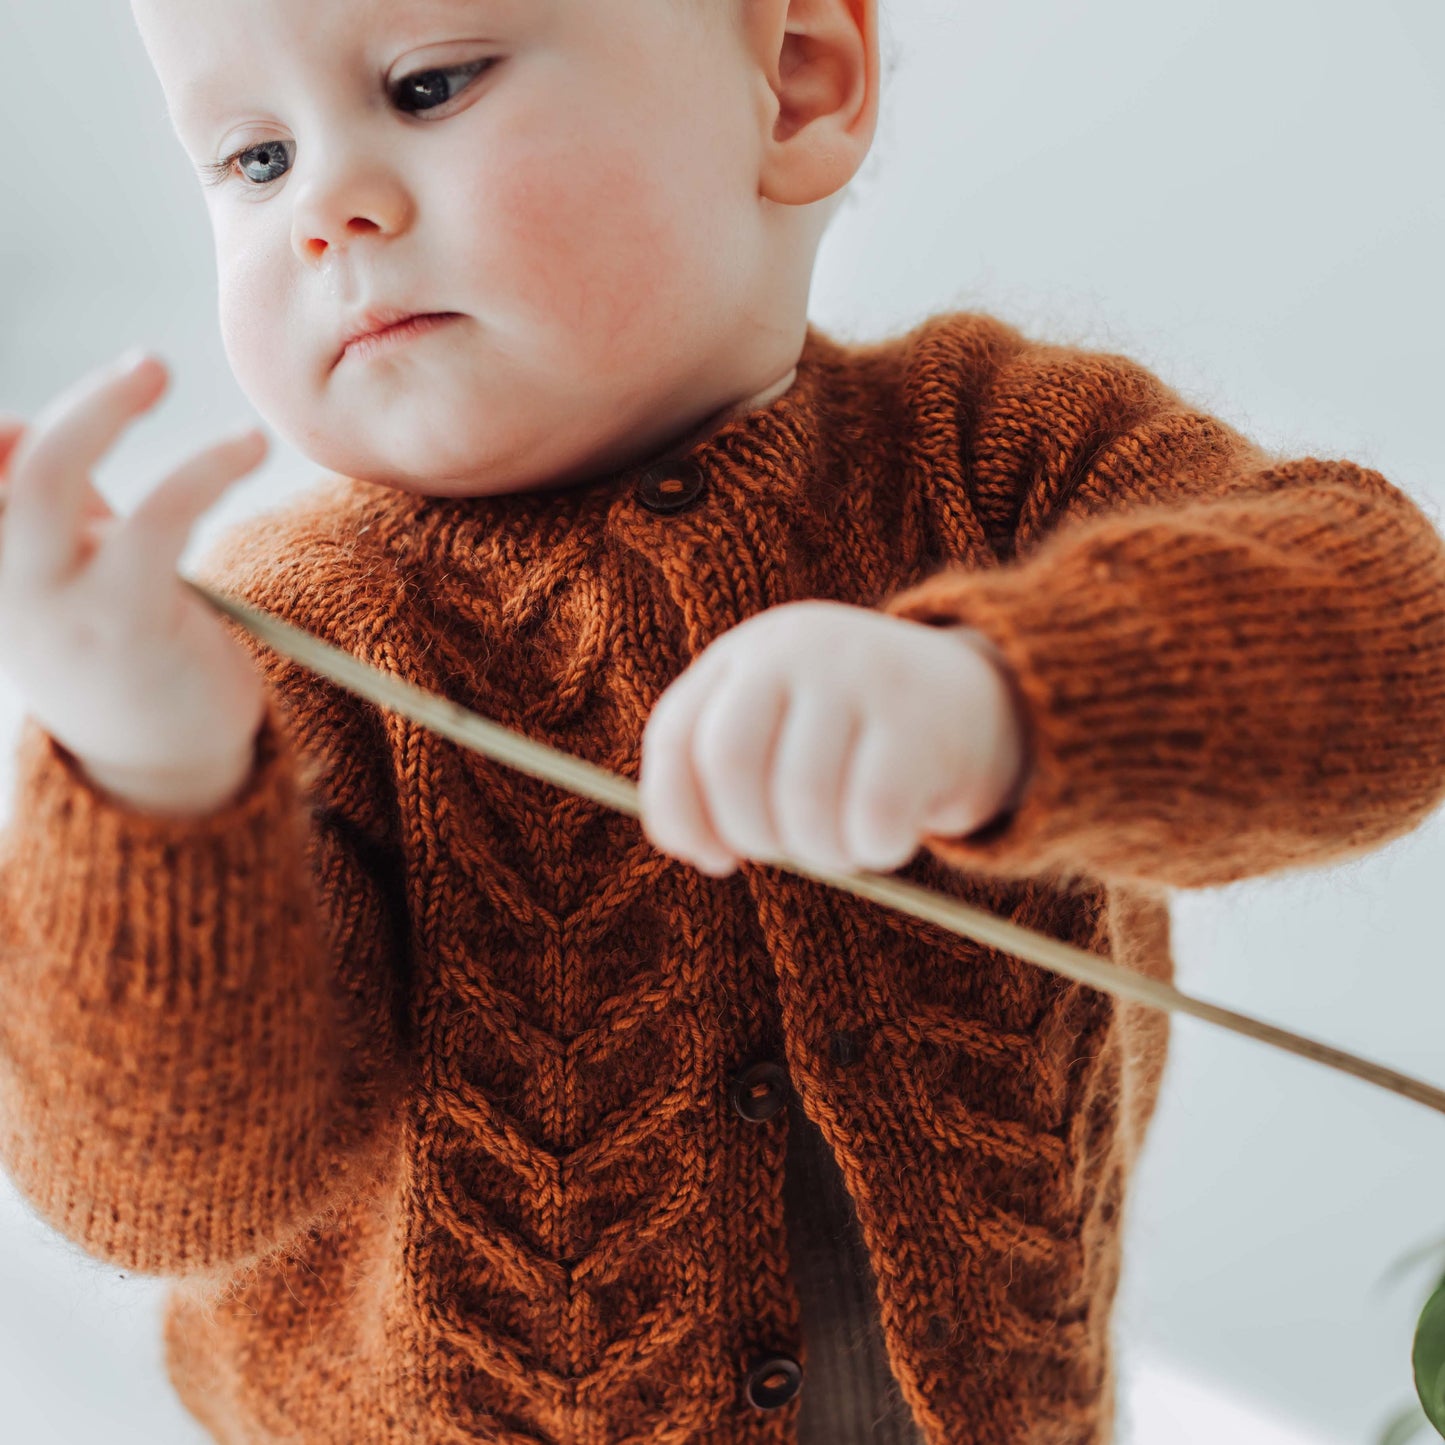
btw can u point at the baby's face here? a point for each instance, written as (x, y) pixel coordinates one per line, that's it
(576, 180)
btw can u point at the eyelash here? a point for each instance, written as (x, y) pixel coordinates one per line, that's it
(216, 173)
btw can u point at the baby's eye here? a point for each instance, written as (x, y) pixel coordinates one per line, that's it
(420, 91)
(432, 85)
(269, 154)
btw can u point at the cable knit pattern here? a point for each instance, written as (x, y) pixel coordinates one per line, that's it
(418, 1075)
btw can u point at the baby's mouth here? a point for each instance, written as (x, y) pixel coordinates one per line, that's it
(390, 330)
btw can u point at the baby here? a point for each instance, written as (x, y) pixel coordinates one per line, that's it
(462, 1109)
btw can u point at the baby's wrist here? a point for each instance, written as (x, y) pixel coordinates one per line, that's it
(191, 792)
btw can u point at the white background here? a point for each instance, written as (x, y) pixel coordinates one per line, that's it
(1244, 195)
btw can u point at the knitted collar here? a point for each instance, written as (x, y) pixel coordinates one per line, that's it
(777, 423)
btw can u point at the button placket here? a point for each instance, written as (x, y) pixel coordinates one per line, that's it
(760, 1091)
(671, 486)
(773, 1380)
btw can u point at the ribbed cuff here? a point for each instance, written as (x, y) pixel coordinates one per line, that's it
(101, 883)
(1216, 690)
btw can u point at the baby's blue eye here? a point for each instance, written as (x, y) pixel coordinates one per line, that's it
(429, 89)
(268, 154)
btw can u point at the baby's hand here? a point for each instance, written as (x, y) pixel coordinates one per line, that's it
(830, 735)
(113, 655)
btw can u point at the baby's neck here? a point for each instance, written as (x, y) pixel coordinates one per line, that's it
(719, 419)
(602, 469)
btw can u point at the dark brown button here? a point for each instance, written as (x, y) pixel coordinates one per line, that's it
(937, 1333)
(670, 486)
(760, 1090)
(843, 1048)
(773, 1380)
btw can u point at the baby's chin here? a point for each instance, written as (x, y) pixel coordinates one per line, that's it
(435, 432)
(437, 459)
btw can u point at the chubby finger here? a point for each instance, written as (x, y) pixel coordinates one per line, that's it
(811, 775)
(11, 430)
(96, 509)
(733, 744)
(879, 812)
(49, 473)
(674, 812)
(142, 555)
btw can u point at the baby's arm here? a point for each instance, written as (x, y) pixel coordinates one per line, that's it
(198, 1044)
(1230, 662)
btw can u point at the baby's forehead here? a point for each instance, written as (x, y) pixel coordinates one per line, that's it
(189, 41)
(301, 16)
(202, 50)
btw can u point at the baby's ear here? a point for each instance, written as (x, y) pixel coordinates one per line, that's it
(821, 61)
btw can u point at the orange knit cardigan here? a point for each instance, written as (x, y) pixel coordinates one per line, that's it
(418, 1075)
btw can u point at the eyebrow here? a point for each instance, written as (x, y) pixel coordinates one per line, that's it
(192, 98)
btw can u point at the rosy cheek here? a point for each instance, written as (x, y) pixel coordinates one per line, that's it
(266, 353)
(586, 244)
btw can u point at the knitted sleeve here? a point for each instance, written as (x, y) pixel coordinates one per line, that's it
(1229, 663)
(198, 1030)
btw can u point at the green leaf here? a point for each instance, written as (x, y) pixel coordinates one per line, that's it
(1428, 1359)
(1405, 1426)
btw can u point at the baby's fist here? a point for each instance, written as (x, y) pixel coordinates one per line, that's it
(832, 736)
